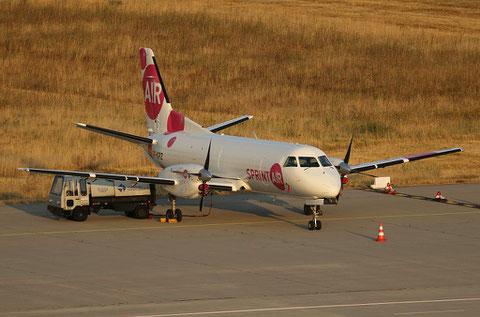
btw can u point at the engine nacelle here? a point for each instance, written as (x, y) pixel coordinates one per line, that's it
(342, 167)
(187, 186)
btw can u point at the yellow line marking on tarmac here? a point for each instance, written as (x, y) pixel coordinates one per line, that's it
(231, 224)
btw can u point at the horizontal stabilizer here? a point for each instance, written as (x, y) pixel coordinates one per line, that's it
(117, 177)
(227, 124)
(117, 134)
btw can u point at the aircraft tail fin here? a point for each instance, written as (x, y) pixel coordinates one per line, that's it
(161, 118)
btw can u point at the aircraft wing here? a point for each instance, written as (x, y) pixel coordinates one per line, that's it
(227, 124)
(400, 160)
(118, 177)
(139, 140)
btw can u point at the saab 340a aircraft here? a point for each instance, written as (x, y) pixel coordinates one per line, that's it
(196, 161)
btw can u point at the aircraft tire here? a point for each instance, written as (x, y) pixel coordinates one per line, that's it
(178, 215)
(311, 225)
(79, 214)
(319, 225)
(170, 214)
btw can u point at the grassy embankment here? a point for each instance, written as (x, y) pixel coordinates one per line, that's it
(402, 76)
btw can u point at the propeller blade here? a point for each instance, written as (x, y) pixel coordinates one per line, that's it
(347, 156)
(207, 160)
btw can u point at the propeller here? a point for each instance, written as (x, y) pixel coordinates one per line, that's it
(343, 167)
(204, 175)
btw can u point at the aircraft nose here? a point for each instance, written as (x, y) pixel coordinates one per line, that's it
(331, 184)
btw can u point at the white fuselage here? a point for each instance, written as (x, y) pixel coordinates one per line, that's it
(258, 163)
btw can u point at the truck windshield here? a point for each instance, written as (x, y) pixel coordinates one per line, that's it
(57, 185)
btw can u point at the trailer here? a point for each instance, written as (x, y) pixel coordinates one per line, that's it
(75, 198)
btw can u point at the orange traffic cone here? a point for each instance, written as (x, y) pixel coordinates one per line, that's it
(381, 236)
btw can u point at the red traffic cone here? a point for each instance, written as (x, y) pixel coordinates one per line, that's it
(439, 195)
(388, 188)
(381, 236)
(150, 217)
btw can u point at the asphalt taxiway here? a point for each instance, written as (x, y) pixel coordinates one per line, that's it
(253, 256)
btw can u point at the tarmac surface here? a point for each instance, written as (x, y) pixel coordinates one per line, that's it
(253, 256)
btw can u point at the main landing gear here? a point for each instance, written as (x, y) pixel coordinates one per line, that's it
(315, 211)
(173, 213)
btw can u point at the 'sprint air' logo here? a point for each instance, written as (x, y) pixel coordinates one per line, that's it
(273, 176)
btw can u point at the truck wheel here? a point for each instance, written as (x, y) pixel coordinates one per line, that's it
(129, 214)
(141, 212)
(79, 214)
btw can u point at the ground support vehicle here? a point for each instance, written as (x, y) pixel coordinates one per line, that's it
(75, 198)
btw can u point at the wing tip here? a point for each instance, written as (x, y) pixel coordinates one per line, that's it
(80, 125)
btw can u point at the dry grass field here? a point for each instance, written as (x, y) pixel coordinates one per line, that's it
(402, 76)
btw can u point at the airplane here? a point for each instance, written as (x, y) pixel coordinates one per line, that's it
(195, 161)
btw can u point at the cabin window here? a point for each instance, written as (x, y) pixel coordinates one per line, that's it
(307, 161)
(324, 161)
(291, 162)
(57, 185)
(83, 187)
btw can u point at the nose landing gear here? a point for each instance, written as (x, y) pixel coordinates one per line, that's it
(315, 211)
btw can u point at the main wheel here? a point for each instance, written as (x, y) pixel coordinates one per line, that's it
(311, 225)
(170, 214)
(79, 214)
(141, 212)
(319, 225)
(178, 215)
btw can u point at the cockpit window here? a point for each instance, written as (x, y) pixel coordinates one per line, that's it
(324, 161)
(306, 161)
(291, 162)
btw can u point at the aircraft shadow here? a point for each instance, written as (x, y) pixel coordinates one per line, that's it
(248, 204)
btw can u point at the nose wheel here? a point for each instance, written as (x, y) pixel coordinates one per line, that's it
(315, 223)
